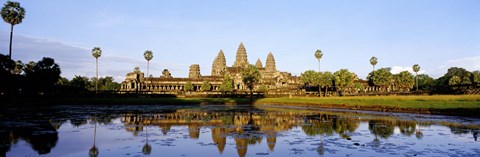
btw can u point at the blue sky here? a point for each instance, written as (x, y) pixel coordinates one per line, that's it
(437, 34)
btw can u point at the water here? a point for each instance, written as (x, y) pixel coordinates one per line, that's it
(230, 131)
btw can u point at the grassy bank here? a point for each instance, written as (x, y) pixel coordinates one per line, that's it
(468, 105)
(414, 102)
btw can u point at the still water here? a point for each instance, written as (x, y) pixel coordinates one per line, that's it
(217, 130)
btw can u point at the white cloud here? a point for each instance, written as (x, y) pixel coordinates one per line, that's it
(469, 63)
(398, 69)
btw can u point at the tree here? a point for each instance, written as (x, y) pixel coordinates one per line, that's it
(476, 77)
(404, 80)
(44, 75)
(96, 52)
(463, 75)
(326, 80)
(250, 76)
(18, 67)
(148, 56)
(13, 14)
(373, 62)
(344, 79)
(311, 78)
(425, 82)
(188, 86)
(382, 77)
(318, 55)
(227, 84)
(416, 68)
(206, 86)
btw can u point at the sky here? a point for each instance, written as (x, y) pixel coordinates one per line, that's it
(436, 34)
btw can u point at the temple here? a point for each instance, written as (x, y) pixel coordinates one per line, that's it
(272, 80)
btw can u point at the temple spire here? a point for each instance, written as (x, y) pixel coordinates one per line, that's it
(270, 65)
(241, 57)
(219, 65)
(259, 64)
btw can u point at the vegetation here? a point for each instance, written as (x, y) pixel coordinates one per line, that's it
(227, 84)
(416, 68)
(318, 55)
(382, 78)
(404, 80)
(206, 86)
(344, 80)
(250, 77)
(13, 14)
(96, 53)
(188, 86)
(373, 62)
(414, 102)
(148, 55)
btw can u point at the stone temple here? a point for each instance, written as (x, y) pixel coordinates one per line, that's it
(272, 80)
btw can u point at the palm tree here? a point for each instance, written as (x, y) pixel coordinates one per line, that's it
(416, 68)
(13, 14)
(148, 56)
(318, 55)
(373, 62)
(96, 52)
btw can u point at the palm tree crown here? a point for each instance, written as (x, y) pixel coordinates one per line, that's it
(318, 55)
(13, 13)
(148, 56)
(416, 68)
(373, 61)
(96, 52)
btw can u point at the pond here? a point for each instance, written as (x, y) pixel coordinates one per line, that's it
(230, 130)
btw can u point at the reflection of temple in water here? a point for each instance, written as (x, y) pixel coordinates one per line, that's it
(245, 128)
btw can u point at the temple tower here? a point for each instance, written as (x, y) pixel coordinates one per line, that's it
(259, 64)
(270, 65)
(241, 58)
(219, 65)
(194, 71)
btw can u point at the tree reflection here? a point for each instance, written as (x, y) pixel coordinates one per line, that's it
(93, 152)
(382, 128)
(146, 149)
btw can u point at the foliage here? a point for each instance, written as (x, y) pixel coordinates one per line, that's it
(13, 13)
(416, 68)
(106, 83)
(188, 86)
(462, 74)
(476, 77)
(44, 75)
(344, 79)
(96, 52)
(454, 80)
(318, 54)
(326, 79)
(206, 86)
(309, 77)
(250, 76)
(404, 80)
(227, 84)
(148, 55)
(373, 61)
(382, 77)
(425, 82)
(136, 69)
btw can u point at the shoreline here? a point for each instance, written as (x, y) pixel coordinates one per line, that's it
(455, 105)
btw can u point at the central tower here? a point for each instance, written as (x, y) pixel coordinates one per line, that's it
(241, 58)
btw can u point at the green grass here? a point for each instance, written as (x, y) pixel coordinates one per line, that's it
(414, 102)
(411, 102)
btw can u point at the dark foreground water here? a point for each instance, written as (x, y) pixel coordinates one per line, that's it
(230, 131)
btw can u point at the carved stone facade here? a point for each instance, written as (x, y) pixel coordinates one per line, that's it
(271, 80)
